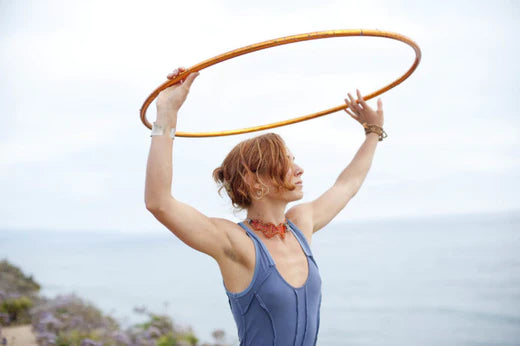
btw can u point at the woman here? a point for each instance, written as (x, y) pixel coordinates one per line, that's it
(269, 274)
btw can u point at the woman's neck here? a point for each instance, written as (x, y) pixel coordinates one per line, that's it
(267, 212)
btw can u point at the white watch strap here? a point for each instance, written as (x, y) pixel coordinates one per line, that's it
(158, 130)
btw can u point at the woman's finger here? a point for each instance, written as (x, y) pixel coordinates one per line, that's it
(348, 105)
(189, 80)
(347, 102)
(353, 105)
(175, 73)
(351, 114)
(362, 100)
(181, 70)
(172, 76)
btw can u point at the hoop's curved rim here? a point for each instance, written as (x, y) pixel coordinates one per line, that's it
(278, 42)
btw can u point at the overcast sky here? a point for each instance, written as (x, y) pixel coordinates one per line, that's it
(74, 75)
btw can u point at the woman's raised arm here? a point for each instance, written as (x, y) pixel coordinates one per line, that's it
(198, 231)
(322, 210)
(159, 168)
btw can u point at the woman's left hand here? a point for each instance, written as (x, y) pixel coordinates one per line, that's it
(363, 113)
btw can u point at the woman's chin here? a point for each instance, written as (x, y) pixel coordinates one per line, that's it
(298, 196)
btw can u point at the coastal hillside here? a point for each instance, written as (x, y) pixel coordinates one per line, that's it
(28, 318)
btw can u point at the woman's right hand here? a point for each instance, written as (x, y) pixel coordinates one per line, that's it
(174, 96)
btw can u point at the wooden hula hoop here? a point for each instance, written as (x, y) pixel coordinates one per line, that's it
(278, 42)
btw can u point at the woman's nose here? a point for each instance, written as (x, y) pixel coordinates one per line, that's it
(299, 170)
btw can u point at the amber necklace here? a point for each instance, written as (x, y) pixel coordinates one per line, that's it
(269, 229)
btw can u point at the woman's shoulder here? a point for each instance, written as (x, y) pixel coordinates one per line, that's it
(301, 216)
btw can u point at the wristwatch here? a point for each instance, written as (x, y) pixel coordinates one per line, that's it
(159, 130)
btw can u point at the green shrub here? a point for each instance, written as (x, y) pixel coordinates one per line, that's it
(167, 340)
(190, 338)
(17, 309)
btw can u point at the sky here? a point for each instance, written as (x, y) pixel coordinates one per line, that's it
(74, 75)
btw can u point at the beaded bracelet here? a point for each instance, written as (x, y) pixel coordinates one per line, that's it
(376, 129)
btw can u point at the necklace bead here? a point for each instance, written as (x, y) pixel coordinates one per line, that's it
(269, 229)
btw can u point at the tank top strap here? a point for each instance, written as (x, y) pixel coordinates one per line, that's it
(265, 258)
(301, 238)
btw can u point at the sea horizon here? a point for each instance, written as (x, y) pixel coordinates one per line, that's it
(450, 279)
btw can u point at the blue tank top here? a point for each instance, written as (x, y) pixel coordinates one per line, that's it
(272, 312)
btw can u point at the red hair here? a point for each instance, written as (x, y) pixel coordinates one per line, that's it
(251, 161)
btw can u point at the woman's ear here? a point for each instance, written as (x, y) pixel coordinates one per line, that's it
(253, 181)
(250, 180)
(257, 186)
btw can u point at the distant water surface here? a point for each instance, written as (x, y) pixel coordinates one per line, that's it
(450, 280)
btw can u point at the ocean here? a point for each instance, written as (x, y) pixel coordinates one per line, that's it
(438, 280)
